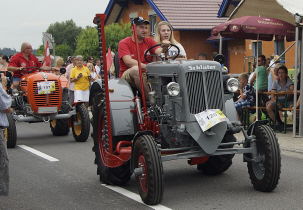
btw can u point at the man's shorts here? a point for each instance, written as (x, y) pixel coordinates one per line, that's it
(127, 75)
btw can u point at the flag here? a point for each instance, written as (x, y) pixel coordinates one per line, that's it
(47, 58)
(109, 59)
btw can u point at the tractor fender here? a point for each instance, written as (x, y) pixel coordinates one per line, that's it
(122, 107)
(122, 104)
(137, 135)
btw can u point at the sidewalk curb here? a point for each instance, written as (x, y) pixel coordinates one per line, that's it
(292, 150)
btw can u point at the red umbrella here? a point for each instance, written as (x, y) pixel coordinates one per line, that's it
(253, 27)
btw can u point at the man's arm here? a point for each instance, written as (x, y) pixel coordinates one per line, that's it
(129, 62)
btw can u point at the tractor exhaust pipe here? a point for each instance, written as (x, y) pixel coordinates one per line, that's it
(139, 111)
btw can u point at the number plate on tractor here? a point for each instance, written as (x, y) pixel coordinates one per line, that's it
(209, 118)
(47, 110)
(46, 87)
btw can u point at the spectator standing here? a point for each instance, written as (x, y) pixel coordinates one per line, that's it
(90, 65)
(5, 103)
(262, 75)
(70, 84)
(59, 63)
(80, 75)
(98, 66)
(4, 63)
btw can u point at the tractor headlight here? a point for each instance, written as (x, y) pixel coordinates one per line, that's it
(232, 85)
(173, 88)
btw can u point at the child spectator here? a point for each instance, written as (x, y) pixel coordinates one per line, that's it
(247, 94)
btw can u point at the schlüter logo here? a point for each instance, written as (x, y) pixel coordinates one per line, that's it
(201, 67)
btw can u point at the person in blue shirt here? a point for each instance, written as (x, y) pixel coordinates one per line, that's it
(5, 103)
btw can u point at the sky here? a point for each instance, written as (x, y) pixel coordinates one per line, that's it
(25, 20)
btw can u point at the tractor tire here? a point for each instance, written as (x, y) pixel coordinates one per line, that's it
(148, 170)
(10, 133)
(218, 164)
(113, 176)
(81, 123)
(61, 127)
(265, 174)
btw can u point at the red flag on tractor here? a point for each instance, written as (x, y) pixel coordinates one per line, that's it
(47, 58)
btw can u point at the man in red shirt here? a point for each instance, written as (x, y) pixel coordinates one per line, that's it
(20, 62)
(128, 54)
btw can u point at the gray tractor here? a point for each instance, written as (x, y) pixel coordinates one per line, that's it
(189, 115)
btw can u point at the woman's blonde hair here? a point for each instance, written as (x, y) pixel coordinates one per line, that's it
(59, 62)
(158, 37)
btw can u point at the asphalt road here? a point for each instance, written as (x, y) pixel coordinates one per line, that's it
(72, 183)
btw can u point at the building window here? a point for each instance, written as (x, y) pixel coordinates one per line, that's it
(257, 46)
(279, 46)
(152, 21)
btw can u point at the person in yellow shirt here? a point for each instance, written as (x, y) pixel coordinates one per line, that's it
(80, 76)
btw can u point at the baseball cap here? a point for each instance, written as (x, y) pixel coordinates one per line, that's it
(139, 21)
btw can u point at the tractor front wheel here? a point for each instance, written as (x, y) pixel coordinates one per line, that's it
(59, 127)
(148, 170)
(10, 133)
(264, 171)
(81, 123)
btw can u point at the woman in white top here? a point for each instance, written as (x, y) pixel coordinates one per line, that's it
(165, 32)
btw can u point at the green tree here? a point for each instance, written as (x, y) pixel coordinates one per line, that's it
(87, 42)
(65, 32)
(63, 50)
(114, 33)
(40, 50)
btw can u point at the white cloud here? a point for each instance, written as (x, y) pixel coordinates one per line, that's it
(25, 20)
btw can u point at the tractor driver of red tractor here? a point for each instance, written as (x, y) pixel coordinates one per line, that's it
(128, 59)
(20, 63)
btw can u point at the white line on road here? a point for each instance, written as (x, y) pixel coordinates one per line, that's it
(38, 153)
(134, 196)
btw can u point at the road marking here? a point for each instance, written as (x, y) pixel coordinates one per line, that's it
(38, 153)
(134, 196)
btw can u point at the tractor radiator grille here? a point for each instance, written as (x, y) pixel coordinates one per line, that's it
(206, 93)
(23, 83)
(46, 99)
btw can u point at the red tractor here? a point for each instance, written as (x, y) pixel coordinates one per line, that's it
(43, 97)
(190, 115)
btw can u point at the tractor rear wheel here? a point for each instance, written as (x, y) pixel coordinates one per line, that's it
(264, 172)
(81, 123)
(10, 133)
(148, 170)
(218, 164)
(114, 176)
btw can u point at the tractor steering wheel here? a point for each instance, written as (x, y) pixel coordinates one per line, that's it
(163, 58)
